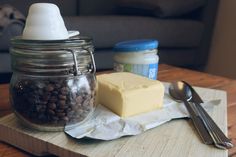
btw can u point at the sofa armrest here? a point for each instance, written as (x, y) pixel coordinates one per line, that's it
(208, 19)
(13, 29)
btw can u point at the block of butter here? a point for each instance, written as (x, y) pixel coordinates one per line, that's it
(128, 94)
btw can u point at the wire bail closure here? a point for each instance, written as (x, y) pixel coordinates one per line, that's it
(75, 66)
(93, 66)
(76, 70)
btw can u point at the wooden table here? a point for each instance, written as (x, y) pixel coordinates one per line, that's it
(166, 73)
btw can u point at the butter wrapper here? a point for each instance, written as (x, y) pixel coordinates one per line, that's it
(106, 125)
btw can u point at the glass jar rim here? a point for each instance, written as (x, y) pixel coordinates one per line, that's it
(81, 40)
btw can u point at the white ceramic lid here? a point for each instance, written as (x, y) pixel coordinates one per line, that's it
(44, 22)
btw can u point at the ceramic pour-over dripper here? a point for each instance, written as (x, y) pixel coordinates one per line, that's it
(44, 22)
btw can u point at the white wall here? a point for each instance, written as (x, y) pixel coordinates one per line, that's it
(222, 59)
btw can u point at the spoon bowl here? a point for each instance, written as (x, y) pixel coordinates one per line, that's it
(179, 91)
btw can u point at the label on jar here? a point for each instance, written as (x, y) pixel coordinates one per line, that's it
(147, 70)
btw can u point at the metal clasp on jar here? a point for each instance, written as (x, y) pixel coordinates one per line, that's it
(76, 71)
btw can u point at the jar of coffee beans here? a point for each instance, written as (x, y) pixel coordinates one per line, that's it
(53, 83)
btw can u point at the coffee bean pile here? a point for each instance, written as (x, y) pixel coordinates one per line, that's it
(54, 101)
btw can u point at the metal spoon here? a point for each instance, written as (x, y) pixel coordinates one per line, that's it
(181, 91)
(177, 91)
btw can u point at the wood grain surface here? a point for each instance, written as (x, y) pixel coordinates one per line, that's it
(166, 73)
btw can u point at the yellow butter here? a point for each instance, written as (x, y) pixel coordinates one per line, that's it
(128, 94)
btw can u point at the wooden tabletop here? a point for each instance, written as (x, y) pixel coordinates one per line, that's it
(166, 73)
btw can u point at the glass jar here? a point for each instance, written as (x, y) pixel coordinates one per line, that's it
(137, 56)
(53, 83)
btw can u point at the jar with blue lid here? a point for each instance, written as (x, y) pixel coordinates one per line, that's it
(137, 56)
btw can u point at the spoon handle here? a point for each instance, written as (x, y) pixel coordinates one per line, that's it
(198, 124)
(219, 138)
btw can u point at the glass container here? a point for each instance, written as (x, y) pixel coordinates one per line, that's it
(137, 56)
(53, 83)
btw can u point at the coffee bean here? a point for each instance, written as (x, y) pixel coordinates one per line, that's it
(40, 85)
(79, 99)
(51, 112)
(59, 110)
(61, 114)
(55, 118)
(49, 88)
(53, 99)
(62, 97)
(40, 108)
(54, 93)
(80, 111)
(62, 102)
(86, 102)
(40, 92)
(46, 97)
(64, 90)
(68, 109)
(57, 85)
(65, 119)
(43, 103)
(52, 106)
(73, 96)
(70, 113)
(72, 103)
(63, 106)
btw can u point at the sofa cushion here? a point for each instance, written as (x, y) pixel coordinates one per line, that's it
(108, 30)
(180, 57)
(177, 57)
(67, 8)
(163, 8)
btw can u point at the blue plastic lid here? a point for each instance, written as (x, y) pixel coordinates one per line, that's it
(136, 45)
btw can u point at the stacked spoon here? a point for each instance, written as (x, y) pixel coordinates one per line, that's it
(204, 124)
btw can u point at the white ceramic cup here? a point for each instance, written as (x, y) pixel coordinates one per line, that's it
(44, 22)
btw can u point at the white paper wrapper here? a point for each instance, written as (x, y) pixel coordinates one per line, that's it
(108, 126)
